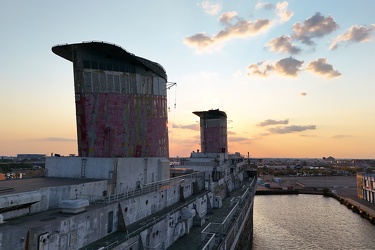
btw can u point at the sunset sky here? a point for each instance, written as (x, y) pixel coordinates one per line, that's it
(296, 78)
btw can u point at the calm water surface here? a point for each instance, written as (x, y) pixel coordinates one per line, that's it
(308, 222)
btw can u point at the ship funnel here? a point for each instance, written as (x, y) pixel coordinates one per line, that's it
(213, 130)
(121, 101)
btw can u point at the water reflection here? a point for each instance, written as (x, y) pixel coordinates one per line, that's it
(308, 222)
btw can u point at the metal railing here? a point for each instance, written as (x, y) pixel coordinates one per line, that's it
(246, 203)
(210, 241)
(225, 233)
(145, 189)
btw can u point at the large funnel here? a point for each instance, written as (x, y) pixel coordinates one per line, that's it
(213, 126)
(121, 101)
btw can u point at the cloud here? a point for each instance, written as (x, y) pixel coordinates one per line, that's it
(57, 139)
(281, 9)
(314, 27)
(237, 139)
(272, 122)
(234, 27)
(199, 40)
(267, 6)
(355, 34)
(291, 129)
(288, 66)
(341, 136)
(308, 135)
(243, 28)
(190, 126)
(227, 17)
(259, 69)
(291, 67)
(283, 44)
(303, 94)
(210, 8)
(321, 67)
(283, 12)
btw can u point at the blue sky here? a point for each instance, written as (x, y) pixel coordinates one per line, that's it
(295, 77)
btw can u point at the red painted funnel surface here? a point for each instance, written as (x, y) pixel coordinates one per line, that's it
(213, 126)
(121, 101)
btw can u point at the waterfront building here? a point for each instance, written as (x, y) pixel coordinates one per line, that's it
(366, 186)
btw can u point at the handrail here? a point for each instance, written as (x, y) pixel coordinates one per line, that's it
(228, 229)
(145, 189)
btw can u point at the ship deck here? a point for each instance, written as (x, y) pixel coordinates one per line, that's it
(31, 184)
(193, 239)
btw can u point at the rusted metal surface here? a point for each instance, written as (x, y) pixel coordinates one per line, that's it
(213, 130)
(121, 102)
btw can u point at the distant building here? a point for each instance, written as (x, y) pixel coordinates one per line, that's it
(366, 186)
(21, 157)
(6, 158)
(330, 159)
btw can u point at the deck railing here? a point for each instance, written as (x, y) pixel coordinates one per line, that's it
(145, 189)
(226, 233)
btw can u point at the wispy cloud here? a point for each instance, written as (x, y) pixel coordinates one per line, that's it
(237, 139)
(210, 8)
(269, 122)
(341, 136)
(315, 26)
(57, 139)
(291, 129)
(321, 67)
(189, 126)
(283, 44)
(355, 34)
(308, 135)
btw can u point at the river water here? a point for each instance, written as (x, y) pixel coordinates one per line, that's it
(308, 222)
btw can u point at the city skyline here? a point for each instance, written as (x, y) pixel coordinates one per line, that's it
(294, 78)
